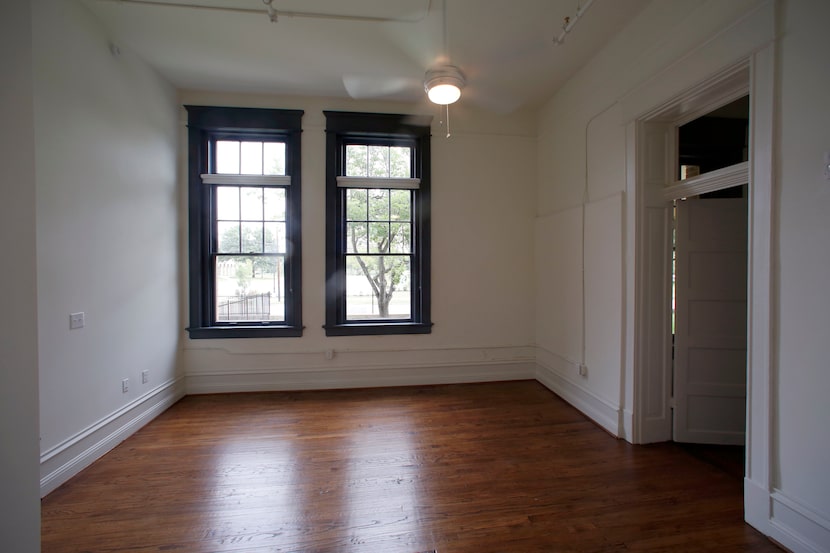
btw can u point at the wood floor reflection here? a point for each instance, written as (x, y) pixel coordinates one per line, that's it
(499, 467)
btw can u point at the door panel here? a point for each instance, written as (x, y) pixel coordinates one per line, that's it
(710, 331)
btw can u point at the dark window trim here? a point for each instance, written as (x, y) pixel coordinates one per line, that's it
(376, 128)
(206, 123)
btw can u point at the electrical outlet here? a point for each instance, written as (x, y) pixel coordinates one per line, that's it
(125, 385)
(145, 377)
(329, 354)
(583, 370)
(76, 320)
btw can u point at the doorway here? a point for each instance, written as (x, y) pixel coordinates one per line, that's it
(651, 132)
(709, 280)
(662, 178)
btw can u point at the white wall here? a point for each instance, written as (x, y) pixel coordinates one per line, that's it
(667, 49)
(483, 179)
(107, 238)
(19, 504)
(581, 225)
(106, 142)
(802, 382)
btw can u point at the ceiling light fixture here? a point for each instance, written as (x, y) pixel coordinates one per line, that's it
(443, 84)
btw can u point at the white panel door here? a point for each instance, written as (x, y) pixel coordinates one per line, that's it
(710, 327)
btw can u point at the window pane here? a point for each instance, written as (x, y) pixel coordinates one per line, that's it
(273, 158)
(274, 199)
(250, 288)
(251, 203)
(227, 203)
(401, 237)
(378, 161)
(378, 204)
(715, 140)
(356, 163)
(378, 237)
(399, 163)
(356, 204)
(228, 237)
(274, 237)
(401, 206)
(251, 162)
(356, 235)
(392, 299)
(227, 157)
(251, 237)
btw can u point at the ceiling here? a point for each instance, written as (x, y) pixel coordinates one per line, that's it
(366, 48)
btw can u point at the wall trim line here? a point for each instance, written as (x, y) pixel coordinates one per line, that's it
(261, 380)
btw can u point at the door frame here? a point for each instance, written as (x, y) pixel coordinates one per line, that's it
(651, 147)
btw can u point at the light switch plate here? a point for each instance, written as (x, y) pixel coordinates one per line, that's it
(76, 320)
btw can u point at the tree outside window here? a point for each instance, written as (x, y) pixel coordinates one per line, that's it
(378, 200)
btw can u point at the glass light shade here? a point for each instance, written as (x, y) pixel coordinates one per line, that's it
(443, 84)
(444, 94)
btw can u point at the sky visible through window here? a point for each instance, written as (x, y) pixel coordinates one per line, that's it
(234, 157)
(250, 220)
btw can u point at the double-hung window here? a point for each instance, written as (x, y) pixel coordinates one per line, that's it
(244, 222)
(377, 225)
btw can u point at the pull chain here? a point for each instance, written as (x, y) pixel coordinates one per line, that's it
(448, 120)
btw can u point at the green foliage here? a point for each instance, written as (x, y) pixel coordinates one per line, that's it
(378, 161)
(379, 220)
(244, 274)
(248, 266)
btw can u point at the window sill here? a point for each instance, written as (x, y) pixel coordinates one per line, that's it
(377, 329)
(271, 331)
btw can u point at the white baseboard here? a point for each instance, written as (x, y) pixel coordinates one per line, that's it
(756, 506)
(356, 377)
(627, 425)
(65, 460)
(600, 411)
(796, 526)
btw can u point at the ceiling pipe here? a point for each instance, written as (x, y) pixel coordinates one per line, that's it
(274, 14)
(571, 22)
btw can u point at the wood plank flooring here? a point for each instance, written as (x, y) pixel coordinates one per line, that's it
(497, 467)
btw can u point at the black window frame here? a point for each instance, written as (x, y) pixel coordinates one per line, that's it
(380, 129)
(206, 124)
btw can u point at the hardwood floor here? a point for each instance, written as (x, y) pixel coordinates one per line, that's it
(728, 458)
(500, 467)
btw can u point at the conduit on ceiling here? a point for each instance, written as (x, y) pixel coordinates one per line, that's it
(274, 14)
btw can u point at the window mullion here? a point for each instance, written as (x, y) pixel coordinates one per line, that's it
(260, 309)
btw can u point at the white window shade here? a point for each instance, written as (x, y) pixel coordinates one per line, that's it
(246, 180)
(378, 182)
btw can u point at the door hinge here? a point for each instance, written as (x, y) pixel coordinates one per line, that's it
(672, 403)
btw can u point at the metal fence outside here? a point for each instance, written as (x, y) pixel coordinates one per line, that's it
(254, 307)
